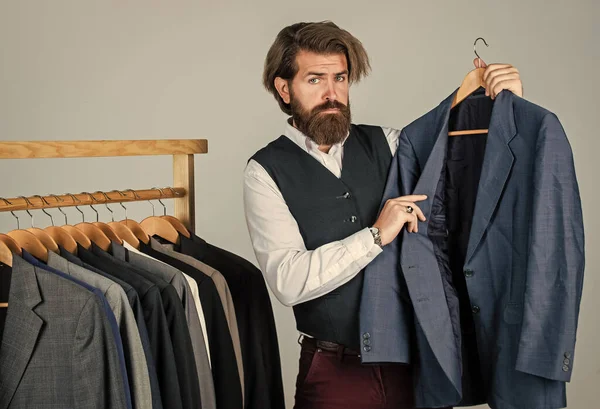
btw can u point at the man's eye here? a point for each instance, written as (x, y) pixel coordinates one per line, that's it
(313, 80)
(340, 78)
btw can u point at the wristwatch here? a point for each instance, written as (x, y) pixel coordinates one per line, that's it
(376, 236)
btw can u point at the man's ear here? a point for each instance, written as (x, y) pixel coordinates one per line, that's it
(283, 89)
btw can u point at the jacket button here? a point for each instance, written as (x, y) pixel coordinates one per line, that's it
(366, 335)
(568, 355)
(354, 219)
(469, 273)
(475, 309)
(367, 348)
(565, 368)
(367, 341)
(567, 361)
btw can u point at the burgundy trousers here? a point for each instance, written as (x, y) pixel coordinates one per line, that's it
(330, 380)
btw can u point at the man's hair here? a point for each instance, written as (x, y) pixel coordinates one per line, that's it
(321, 38)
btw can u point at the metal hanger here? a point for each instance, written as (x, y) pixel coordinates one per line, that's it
(81, 239)
(121, 230)
(472, 82)
(27, 240)
(135, 227)
(155, 226)
(179, 226)
(60, 236)
(44, 237)
(106, 229)
(93, 232)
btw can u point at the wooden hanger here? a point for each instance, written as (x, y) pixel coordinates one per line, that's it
(106, 229)
(60, 235)
(93, 233)
(8, 247)
(6, 257)
(10, 243)
(180, 227)
(156, 226)
(77, 235)
(472, 82)
(134, 226)
(29, 242)
(44, 237)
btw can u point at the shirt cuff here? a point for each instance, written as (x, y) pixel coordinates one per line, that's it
(362, 244)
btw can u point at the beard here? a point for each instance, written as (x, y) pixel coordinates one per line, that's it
(324, 129)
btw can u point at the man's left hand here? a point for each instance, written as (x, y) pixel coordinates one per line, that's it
(498, 77)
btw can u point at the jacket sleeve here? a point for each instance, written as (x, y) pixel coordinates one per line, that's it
(556, 260)
(97, 379)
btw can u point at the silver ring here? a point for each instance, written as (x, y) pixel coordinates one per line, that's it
(409, 209)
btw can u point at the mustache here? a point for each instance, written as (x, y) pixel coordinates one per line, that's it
(331, 104)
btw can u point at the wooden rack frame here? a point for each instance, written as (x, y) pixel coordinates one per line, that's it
(182, 150)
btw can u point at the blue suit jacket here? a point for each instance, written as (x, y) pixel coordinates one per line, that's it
(526, 252)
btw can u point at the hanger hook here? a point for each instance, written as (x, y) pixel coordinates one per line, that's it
(121, 203)
(152, 204)
(475, 48)
(58, 199)
(160, 201)
(45, 202)
(12, 212)
(137, 197)
(76, 207)
(112, 214)
(93, 199)
(27, 210)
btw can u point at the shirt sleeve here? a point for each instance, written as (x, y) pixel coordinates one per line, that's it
(295, 274)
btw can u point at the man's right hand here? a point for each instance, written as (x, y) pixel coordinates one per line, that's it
(395, 214)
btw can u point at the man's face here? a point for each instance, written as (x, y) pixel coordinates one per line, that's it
(318, 96)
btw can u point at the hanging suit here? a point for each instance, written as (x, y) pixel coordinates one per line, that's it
(522, 272)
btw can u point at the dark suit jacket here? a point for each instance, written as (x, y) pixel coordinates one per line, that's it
(180, 335)
(136, 306)
(56, 353)
(254, 312)
(156, 324)
(524, 264)
(228, 391)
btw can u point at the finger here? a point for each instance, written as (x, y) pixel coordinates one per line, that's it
(411, 198)
(499, 73)
(512, 85)
(479, 63)
(494, 67)
(507, 81)
(416, 210)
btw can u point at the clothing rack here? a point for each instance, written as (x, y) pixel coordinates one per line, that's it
(182, 192)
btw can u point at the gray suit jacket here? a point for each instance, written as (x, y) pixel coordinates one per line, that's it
(178, 281)
(525, 261)
(137, 369)
(56, 353)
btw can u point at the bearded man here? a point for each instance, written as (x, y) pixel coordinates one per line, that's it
(312, 201)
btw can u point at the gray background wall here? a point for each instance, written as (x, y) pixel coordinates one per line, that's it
(84, 69)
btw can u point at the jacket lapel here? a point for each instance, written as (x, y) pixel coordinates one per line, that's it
(497, 164)
(418, 259)
(21, 329)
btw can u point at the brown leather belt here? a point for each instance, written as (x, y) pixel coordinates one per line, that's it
(327, 346)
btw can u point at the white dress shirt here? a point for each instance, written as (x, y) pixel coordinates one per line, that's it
(295, 274)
